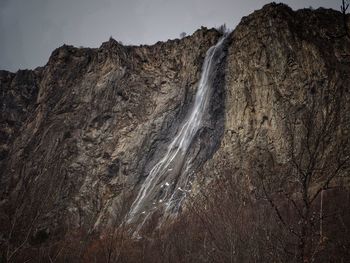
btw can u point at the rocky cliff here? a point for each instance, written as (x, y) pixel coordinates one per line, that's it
(90, 124)
(81, 134)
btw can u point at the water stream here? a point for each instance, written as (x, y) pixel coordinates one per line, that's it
(162, 185)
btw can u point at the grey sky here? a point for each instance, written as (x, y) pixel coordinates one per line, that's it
(31, 29)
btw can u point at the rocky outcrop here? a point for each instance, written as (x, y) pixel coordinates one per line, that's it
(79, 135)
(279, 62)
(89, 125)
(18, 93)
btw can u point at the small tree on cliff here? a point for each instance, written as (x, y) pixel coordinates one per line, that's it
(344, 8)
(222, 29)
(182, 35)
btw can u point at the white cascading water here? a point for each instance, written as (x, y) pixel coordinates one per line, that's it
(173, 163)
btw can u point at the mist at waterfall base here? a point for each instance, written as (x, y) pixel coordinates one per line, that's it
(169, 181)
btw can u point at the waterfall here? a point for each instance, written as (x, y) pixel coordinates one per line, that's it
(175, 161)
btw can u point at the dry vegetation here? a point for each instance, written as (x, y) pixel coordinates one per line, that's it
(232, 226)
(295, 212)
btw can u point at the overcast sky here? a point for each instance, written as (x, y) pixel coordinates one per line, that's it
(31, 29)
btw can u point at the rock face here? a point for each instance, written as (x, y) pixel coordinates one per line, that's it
(90, 124)
(278, 62)
(80, 135)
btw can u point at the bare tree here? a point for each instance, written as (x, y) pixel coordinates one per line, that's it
(229, 223)
(115, 242)
(318, 159)
(22, 214)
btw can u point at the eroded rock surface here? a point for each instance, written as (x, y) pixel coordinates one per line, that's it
(278, 63)
(79, 135)
(90, 125)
